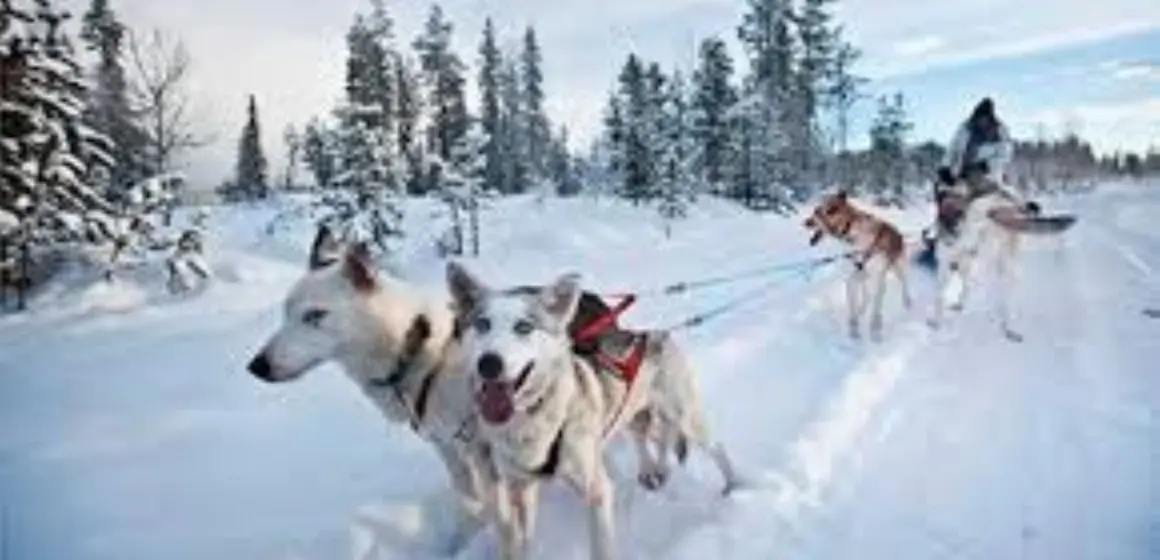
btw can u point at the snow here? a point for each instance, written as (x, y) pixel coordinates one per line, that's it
(133, 431)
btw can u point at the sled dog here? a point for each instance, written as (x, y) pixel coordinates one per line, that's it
(396, 343)
(988, 220)
(878, 248)
(548, 413)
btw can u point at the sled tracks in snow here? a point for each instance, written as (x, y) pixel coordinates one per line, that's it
(837, 435)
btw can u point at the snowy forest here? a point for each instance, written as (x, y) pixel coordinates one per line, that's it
(97, 121)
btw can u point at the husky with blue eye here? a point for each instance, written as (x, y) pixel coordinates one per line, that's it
(547, 412)
(395, 342)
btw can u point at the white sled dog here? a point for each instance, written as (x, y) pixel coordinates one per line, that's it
(989, 222)
(395, 343)
(547, 412)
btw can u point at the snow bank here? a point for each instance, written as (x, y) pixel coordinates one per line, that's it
(140, 435)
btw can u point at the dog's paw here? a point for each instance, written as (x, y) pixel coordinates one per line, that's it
(933, 323)
(1012, 335)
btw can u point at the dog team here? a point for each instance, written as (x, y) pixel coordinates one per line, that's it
(494, 380)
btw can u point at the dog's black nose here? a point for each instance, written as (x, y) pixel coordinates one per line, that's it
(260, 367)
(490, 366)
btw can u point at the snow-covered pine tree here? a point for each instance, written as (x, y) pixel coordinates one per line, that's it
(888, 160)
(443, 82)
(366, 206)
(463, 187)
(368, 113)
(776, 127)
(713, 96)
(489, 108)
(561, 166)
(318, 153)
(369, 177)
(513, 136)
(109, 110)
(250, 174)
(537, 128)
(408, 106)
(819, 38)
(635, 150)
(654, 126)
(677, 181)
(759, 171)
(46, 150)
(609, 151)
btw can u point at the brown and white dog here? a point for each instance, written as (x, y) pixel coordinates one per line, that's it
(878, 248)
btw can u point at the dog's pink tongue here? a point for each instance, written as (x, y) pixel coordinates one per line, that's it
(494, 401)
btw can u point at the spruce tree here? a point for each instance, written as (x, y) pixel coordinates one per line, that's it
(489, 110)
(250, 177)
(635, 150)
(538, 130)
(513, 144)
(46, 151)
(318, 153)
(888, 160)
(408, 104)
(713, 97)
(109, 110)
(444, 83)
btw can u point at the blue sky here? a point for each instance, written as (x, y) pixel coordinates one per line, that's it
(1046, 62)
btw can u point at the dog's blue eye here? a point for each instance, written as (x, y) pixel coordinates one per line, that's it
(482, 325)
(523, 327)
(314, 317)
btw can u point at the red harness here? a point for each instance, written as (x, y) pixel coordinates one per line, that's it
(626, 368)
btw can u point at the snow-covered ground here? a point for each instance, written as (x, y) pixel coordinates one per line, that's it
(131, 430)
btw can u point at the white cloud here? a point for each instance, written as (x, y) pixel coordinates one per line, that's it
(1127, 125)
(1134, 71)
(918, 46)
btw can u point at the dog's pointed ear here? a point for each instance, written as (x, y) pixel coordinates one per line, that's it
(560, 298)
(325, 250)
(466, 290)
(359, 268)
(842, 195)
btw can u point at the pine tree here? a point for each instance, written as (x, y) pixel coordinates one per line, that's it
(318, 153)
(370, 93)
(538, 131)
(676, 178)
(463, 187)
(409, 106)
(561, 167)
(714, 95)
(888, 148)
(46, 151)
(635, 152)
(444, 83)
(250, 177)
(109, 110)
(775, 128)
(489, 111)
(819, 40)
(611, 147)
(513, 144)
